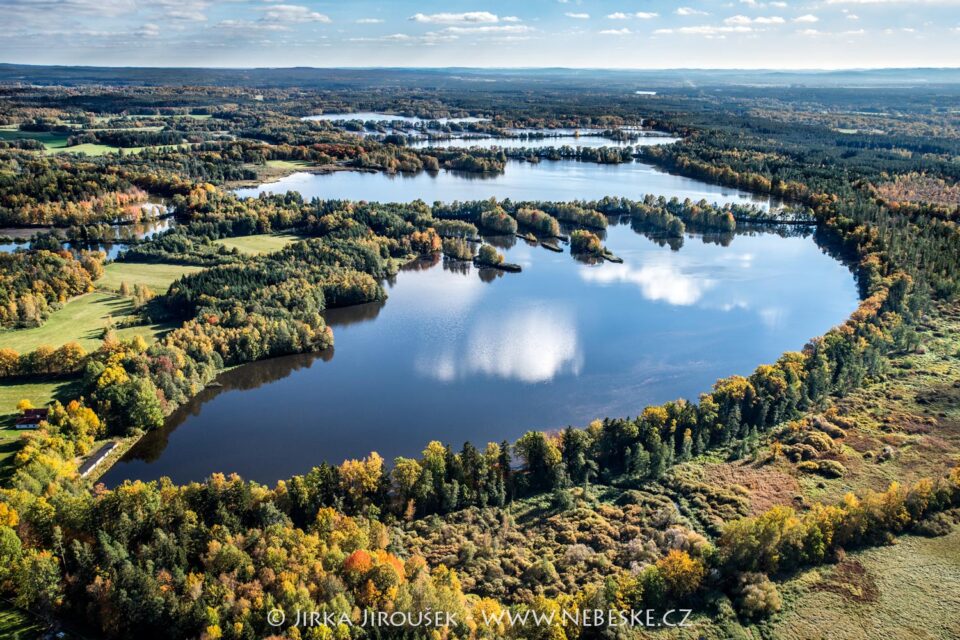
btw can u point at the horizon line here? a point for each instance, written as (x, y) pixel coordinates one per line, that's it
(493, 68)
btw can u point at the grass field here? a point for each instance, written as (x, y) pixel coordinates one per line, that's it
(156, 276)
(102, 149)
(56, 142)
(83, 318)
(51, 140)
(260, 243)
(289, 164)
(908, 590)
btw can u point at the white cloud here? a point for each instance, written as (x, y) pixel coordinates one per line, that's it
(248, 25)
(744, 20)
(706, 30)
(510, 19)
(186, 16)
(615, 32)
(689, 11)
(398, 37)
(148, 31)
(183, 10)
(577, 16)
(292, 14)
(808, 18)
(506, 28)
(94, 7)
(369, 21)
(816, 33)
(456, 18)
(640, 15)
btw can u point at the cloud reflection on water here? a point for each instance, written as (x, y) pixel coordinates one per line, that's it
(657, 282)
(526, 345)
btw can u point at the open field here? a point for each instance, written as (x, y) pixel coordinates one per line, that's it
(83, 318)
(51, 140)
(157, 276)
(102, 149)
(39, 393)
(908, 590)
(260, 243)
(192, 116)
(56, 142)
(291, 165)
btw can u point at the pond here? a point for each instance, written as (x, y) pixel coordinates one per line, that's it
(122, 233)
(459, 354)
(547, 180)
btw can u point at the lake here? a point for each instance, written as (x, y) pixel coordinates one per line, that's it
(368, 116)
(458, 353)
(590, 141)
(546, 180)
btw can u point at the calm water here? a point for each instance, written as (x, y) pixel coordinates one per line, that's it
(460, 354)
(591, 141)
(547, 180)
(141, 231)
(366, 116)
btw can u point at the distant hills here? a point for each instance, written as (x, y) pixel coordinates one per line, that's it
(309, 77)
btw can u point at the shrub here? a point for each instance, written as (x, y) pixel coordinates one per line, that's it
(757, 596)
(457, 248)
(831, 468)
(498, 221)
(585, 242)
(936, 525)
(489, 256)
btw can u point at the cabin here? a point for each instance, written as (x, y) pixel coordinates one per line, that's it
(31, 418)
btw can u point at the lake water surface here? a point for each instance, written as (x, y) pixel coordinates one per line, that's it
(589, 141)
(122, 233)
(367, 116)
(547, 180)
(459, 354)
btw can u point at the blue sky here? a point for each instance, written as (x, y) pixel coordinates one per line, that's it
(795, 34)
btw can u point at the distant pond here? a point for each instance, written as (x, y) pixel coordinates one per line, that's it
(122, 234)
(459, 354)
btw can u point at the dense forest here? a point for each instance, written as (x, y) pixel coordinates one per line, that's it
(610, 516)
